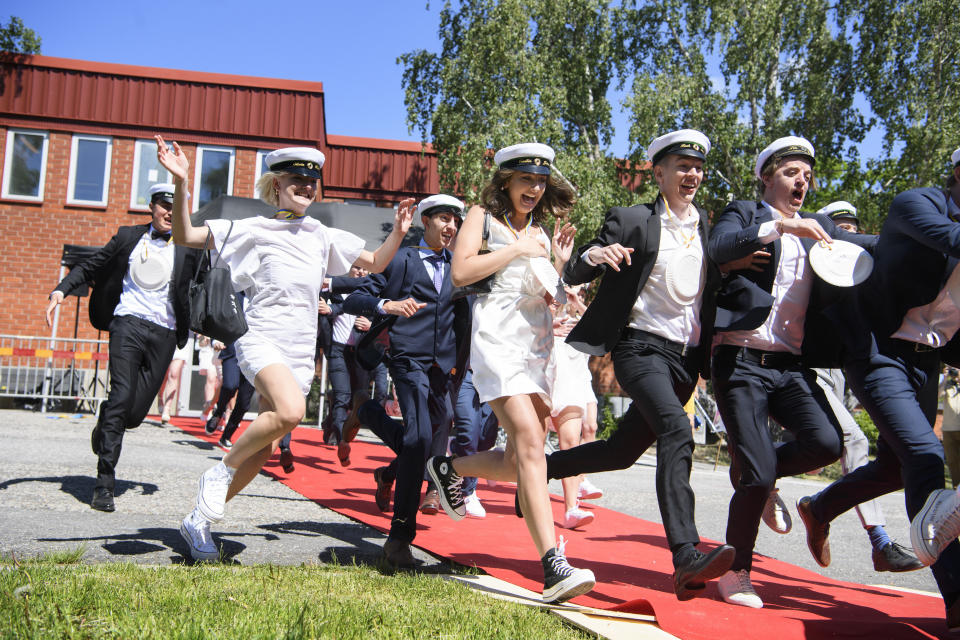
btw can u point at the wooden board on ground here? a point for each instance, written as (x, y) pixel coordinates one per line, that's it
(612, 625)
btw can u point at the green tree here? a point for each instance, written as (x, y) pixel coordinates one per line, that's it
(16, 38)
(511, 71)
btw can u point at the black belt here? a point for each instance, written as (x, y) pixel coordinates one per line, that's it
(771, 359)
(908, 346)
(682, 350)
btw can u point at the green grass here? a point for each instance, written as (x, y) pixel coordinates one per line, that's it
(55, 597)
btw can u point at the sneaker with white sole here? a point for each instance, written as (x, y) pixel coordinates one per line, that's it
(775, 513)
(577, 517)
(735, 587)
(473, 506)
(936, 525)
(212, 491)
(195, 530)
(589, 491)
(562, 582)
(450, 485)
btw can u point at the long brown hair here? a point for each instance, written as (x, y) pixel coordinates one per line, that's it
(558, 198)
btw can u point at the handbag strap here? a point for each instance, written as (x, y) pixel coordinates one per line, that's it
(207, 249)
(486, 231)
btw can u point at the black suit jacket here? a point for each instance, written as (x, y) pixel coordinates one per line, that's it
(744, 300)
(638, 228)
(434, 333)
(106, 269)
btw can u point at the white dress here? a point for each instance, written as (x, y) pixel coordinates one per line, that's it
(512, 336)
(280, 266)
(572, 380)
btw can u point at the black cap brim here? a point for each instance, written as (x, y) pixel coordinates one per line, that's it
(532, 168)
(166, 197)
(690, 153)
(302, 171)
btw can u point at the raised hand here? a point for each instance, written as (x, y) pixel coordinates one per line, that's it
(529, 246)
(404, 215)
(173, 160)
(803, 228)
(562, 241)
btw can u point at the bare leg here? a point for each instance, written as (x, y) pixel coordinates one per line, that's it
(284, 408)
(170, 385)
(588, 429)
(568, 425)
(524, 419)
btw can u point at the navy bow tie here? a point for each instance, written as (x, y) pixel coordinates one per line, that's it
(157, 235)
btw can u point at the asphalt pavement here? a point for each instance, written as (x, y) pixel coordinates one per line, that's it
(47, 477)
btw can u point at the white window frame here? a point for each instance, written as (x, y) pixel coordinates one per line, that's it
(8, 164)
(199, 168)
(165, 177)
(258, 170)
(71, 181)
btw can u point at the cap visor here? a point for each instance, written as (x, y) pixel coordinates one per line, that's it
(532, 168)
(692, 153)
(302, 171)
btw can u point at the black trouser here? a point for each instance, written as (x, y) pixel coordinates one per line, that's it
(748, 395)
(659, 382)
(140, 352)
(346, 377)
(425, 395)
(898, 388)
(233, 382)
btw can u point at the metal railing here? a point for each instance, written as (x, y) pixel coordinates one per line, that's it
(61, 374)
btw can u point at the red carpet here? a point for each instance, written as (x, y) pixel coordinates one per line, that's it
(628, 556)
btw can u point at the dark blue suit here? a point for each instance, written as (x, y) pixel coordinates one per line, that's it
(897, 383)
(423, 359)
(779, 386)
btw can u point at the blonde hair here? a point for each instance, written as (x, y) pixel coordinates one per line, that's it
(267, 191)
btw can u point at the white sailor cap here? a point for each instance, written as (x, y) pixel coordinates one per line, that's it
(839, 210)
(955, 158)
(782, 147)
(531, 157)
(685, 142)
(427, 206)
(162, 191)
(304, 161)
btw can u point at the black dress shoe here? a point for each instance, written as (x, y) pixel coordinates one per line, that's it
(96, 439)
(103, 499)
(516, 504)
(211, 427)
(817, 532)
(384, 493)
(398, 554)
(896, 558)
(690, 580)
(286, 460)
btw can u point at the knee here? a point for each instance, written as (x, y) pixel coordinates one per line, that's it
(290, 412)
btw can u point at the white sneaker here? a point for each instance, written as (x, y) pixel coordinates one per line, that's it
(735, 587)
(562, 582)
(775, 514)
(195, 530)
(589, 491)
(577, 517)
(474, 507)
(936, 525)
(212, 491)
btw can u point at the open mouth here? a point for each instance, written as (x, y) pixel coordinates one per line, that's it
(528, 201)
(688, 188)
(796, 196)
(304, 193)
(447, 238)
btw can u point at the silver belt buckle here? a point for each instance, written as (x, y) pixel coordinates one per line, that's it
(763, 359)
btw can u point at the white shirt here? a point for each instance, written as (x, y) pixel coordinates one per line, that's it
(154, 306)
(655, 311)
(935, 323)
(783, 328)
(343, 326)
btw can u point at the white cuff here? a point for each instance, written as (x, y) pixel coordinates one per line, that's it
(768, 232)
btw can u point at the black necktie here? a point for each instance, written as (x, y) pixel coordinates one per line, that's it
(157, 235)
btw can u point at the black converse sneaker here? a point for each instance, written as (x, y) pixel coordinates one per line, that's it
(562, 582)
(449, 483)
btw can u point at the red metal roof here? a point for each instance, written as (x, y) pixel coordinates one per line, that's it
(105, 96)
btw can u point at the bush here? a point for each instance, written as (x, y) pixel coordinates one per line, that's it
(869, 429)
(606, 422)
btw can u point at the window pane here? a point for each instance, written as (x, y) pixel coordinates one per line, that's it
(214, 175)
(27, 164)
(91, 165)
(149, 173)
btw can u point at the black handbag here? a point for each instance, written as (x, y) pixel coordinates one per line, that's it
(214, 309)
(480, 286)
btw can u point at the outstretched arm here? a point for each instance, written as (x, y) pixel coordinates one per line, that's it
(175, 161)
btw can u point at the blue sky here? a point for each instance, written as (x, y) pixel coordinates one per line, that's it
(351, 47)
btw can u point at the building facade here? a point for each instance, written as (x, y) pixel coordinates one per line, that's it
(78, 157)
